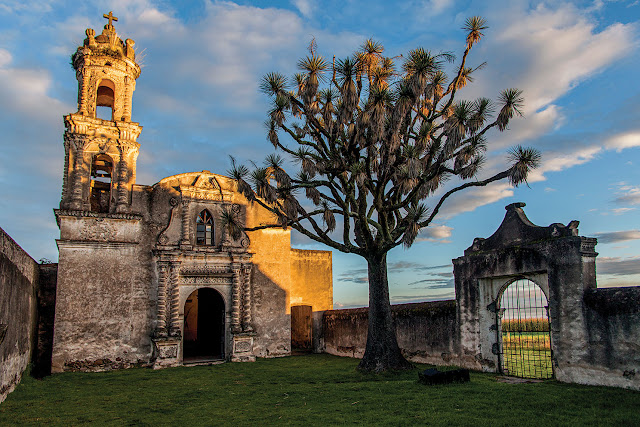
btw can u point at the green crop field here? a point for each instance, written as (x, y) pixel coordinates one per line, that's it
(527, 354)
(307, 390)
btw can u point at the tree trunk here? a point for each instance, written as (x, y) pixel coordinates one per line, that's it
(382, 352)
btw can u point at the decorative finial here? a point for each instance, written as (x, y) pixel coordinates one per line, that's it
(111, 18)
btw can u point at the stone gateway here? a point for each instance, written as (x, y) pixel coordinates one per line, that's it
(147, 274)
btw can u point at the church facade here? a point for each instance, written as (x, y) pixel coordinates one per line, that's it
(147, 274)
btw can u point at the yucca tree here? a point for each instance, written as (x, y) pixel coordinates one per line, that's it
(375, 140)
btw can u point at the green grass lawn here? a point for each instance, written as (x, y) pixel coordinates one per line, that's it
(306, 390)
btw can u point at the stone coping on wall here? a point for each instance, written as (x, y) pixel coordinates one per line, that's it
(613, 301)
(84, 214)
(431, 308)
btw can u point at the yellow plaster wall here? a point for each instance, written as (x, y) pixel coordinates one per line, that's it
(311, 279)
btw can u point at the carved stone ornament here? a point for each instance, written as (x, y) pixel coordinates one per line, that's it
(163, 239)
(167, 351)
(205, 280)
(205, 188)
(98, 230)
(204, 270)
(243, 346)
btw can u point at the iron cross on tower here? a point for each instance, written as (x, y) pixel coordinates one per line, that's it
(110, 17)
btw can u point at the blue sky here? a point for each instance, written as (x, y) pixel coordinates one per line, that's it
(198, 100)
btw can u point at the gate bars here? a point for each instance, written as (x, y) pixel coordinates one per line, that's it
(524, 332)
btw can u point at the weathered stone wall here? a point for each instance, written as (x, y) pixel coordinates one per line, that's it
(613, 329)
(18, 310)
(426, 331)
(104, 303)
(594, 332)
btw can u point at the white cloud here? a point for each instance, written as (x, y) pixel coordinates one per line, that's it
(618, 236)
(628, 195)
(435, 7)
(25, 91)
(436, 232)
(545, 52)
(468, 201)
(620, 211)
(5, 58)
(304, 6)
(17, 6)
(618, 266)
(624, 140)
(556, 49)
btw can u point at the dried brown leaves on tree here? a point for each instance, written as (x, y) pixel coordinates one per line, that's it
(374, 138)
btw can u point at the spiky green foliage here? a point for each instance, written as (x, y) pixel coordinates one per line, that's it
(368, 152)
(374, 145)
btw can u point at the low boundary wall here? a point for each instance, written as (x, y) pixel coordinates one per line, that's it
(426, 331)
(18, 311)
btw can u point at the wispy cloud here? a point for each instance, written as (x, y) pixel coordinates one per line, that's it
(404, 299)
(617, 236)
(618, 266)
(435, 233)
(628, 195)
(304, 6)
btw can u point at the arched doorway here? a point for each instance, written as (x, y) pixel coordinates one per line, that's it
(204, 329)
(524, 332)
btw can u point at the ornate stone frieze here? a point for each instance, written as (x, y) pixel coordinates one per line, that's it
(206, 187)
(202, 270)
(205, 280)
(98, 230)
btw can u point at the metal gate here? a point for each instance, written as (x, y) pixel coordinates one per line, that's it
(523, 331)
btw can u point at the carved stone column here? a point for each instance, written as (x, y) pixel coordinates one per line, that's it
(167, 336)
(246, 299)
(126, 108)
(236, 296)
(121, 201)
(83, 91)
(76, 201)
(64, 199)
(161, 325)
(173, 300)
(186, 223)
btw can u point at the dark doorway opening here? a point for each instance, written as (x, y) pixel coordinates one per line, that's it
(101, 174)
(204, 326)
(301, 339)
(524, 331)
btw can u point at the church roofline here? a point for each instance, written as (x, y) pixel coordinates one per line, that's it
(195, 175)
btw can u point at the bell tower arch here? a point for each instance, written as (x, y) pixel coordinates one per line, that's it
(106, 71)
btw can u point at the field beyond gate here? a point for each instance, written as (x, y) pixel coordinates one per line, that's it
(306, 390)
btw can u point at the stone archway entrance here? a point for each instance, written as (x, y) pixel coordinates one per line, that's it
(204, 326)
(522, 321)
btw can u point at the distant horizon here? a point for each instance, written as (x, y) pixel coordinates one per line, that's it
(198, 102)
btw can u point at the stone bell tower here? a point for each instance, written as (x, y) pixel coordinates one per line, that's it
(100, 138)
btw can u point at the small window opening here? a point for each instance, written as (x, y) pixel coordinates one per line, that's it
(105, 99)
(204, 229)
(101, 173)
